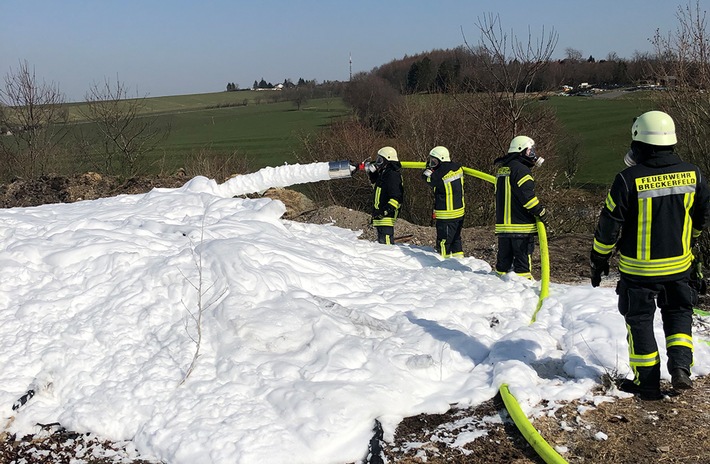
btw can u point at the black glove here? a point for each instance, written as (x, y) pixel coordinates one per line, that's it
(544, 216)
(697, 280)
(599, 265)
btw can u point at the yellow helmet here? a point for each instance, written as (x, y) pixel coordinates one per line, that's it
(654, 128)
(440, 153)
(388, 153)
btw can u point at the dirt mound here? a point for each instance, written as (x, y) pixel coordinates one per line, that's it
(89, 186)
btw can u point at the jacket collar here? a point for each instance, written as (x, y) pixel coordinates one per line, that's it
(661, 159)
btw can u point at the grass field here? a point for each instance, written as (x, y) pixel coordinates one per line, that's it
(268, 134)
(181, 103)
(603, 128)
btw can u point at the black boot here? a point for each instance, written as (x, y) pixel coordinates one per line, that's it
(680, 379)
(646, 394)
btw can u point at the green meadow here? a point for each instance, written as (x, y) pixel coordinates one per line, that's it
(247, 124)
(602, 126)
(265, 133)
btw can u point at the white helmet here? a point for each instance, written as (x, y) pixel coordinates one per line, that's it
(654, 128)
(520, 143)
(526, 147)
(388, 153)
(440, 153)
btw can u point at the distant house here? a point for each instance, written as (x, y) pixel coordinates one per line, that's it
(667, 81)
(276, 87)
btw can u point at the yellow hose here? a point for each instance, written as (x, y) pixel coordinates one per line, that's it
(469, 171)
(541, 233)
(541, 447)
(544, 268)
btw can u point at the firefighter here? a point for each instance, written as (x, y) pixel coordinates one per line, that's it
(517, 207)
(445, 177)
(388, 192)
(653, 215)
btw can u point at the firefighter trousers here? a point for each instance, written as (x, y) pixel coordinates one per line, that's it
(637, 303)
(448, 237)
(385, 234)
(515, 251)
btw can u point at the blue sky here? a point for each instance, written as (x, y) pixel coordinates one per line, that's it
(160, 47)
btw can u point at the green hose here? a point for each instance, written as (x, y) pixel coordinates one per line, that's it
(700, 312)
(541, 447)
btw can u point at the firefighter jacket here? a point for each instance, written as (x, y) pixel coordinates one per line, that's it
(652, 212)
(447, 182)
(516, 203)
(388, 194)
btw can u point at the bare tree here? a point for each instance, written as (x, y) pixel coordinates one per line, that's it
(202, 306)
(33, 115)
(3, 121)
(372, 99)
(683, 65)
(298, 95)
(344, 139)
(508, 68)
(120, 136)
(572, 54)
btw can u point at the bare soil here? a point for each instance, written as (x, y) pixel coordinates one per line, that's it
(622, 431)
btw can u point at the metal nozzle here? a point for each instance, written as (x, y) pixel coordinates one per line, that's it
(340, 169)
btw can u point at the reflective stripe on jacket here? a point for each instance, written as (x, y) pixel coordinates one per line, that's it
(516, 203)
(388, 194)
(447, 180)
(651, 213)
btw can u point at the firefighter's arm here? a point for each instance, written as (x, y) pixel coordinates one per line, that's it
(612, 216)
(373, 176)
(608, 229)
(701, 210)
(392, 194)
(525, 193)
(605, 238)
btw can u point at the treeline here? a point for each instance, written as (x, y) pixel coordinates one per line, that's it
(474, 100)
(264, 85)
(286, 84)
(460, 70)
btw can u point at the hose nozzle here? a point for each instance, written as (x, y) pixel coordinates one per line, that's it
(340, 169)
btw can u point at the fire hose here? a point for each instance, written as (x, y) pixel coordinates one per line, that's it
(340, 169)
(344, 169)
(541, 232)
(541, 447)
